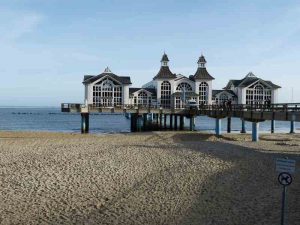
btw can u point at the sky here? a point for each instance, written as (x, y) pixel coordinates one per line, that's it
(47, 46)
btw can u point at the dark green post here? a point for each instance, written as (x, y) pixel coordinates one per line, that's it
(192, 123)
(84, 123)
(228, 124)
(133, 122)
(139, 123)
(181, 122)
(171, 121)
(160, 120)
(175, 125)
(156, 118)
(145, 121)
(243, 131)
(272, 126)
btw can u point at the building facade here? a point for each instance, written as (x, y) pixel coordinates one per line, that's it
(170, 90)
(253, 90)
(106, 89)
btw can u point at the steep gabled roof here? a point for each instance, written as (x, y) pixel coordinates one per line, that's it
(202, 73)
(164, 72)
(91, 78)
(152, 90)
(249, 79)
(215, 92)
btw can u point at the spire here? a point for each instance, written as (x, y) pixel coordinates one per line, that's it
(250, 74)
(201, 61)
(164, 60)
(164, 72)
(201, 72)
(107, 70)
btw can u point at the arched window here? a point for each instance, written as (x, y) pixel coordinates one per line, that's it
(143, 98)
(203, 93)
(107, 93)
(258, 94)
(184, 87)
(165, 94)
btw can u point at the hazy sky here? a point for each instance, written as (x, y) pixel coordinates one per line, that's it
(48, 45)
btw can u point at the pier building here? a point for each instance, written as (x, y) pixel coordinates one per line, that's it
(171, 90)
(161, 104)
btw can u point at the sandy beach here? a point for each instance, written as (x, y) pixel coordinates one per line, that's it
(145, 178)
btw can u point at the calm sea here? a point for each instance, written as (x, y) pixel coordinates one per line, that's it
(51, 119)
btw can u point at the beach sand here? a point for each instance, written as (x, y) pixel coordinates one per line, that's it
(145, 178)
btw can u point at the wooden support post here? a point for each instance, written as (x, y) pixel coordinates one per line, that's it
(218, 126)
(228, 124)
(181, 125)
(139, 123)
(145, 121)
(85, 123)
(272, 126)
(255, 131)
(133, 122)
(175, 124)
(192, 123)
(243, 131)
(160, 120)
(292, 131)
(171, 121)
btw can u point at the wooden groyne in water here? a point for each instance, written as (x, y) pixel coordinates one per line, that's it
(147, 118)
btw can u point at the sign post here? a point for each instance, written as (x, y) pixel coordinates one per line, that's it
(285, 167)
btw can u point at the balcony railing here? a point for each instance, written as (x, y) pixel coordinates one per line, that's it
(280, 107)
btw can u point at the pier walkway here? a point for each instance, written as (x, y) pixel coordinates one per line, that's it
(155, 117)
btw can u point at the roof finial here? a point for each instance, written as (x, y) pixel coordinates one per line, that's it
(201, 61)
(107, 70)
(164, 58)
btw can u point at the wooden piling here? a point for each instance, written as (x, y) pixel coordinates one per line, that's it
(145, 121)
(218, 127)
(171, 121)
(272, 126)
(192, 123)
(292, 131)
(243, 130)
(175, 124)
(85, 123)
(133, 122)
(160, 120)
(255, 131)
(181, 122)
(229, 124)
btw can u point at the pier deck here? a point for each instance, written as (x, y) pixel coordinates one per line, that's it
(283, 112)
(139, 115)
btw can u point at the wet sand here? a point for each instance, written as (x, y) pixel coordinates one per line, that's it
(145, 178)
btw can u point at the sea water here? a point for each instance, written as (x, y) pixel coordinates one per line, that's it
(53, 120)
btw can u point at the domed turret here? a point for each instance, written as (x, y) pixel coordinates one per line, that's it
(164, 60)
(201, 61)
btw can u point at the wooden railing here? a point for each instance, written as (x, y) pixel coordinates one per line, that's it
(281, 107)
